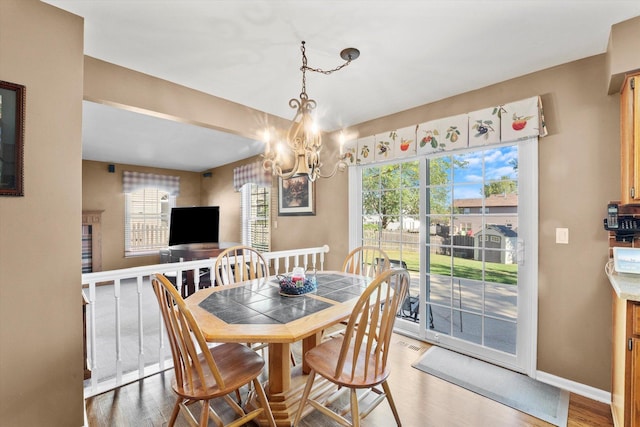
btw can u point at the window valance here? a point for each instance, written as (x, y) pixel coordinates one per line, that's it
(251, 173)
(503, 123)
(134, 181)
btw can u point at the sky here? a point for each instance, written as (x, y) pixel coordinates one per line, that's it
(468, 181)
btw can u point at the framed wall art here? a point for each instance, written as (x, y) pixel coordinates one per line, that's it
(296, 196)
(12, 104)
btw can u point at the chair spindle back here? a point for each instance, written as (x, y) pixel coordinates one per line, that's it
(370, 325)
(186, 339)
(367, 261)
(240, 263)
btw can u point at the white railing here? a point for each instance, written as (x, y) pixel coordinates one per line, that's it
(125, 335)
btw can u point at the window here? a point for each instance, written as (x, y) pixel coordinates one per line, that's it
(147, 213)
(390, 211)
(256, 218)
(466, 228)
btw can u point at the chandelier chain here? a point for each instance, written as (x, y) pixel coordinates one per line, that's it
(305, 67)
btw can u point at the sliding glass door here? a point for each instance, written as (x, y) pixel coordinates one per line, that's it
(474, 269)
(465, 226)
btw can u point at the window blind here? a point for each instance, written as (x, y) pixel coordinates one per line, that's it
(256, 218)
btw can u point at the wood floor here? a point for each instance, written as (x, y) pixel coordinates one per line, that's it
(422, 401)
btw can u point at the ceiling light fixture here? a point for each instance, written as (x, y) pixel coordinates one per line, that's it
(299, 151)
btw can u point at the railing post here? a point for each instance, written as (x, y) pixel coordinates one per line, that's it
(116, 294)
(140, 329)
(92, 335)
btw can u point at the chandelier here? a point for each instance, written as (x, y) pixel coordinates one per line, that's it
(298, 151)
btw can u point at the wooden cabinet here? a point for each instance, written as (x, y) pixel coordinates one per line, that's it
(625, 393)
(635, 364)
(630, 140)
(635, 388)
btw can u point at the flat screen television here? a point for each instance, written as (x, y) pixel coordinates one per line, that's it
(196, 224)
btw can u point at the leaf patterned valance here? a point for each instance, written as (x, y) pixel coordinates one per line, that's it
(504, 123)
(134, 181)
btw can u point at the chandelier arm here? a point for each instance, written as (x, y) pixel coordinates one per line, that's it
(339, 166)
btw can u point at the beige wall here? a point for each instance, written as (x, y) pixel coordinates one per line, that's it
(330, 224)
(623, 54)
(102, 190)
(328, 227)
(579, 173)
(218, 190)
(40, 303)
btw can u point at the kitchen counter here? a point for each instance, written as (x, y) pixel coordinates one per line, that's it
(627, 286)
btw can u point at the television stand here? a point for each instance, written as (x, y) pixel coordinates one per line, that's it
(196, 251)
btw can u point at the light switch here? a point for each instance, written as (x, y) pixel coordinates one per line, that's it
(562, 235)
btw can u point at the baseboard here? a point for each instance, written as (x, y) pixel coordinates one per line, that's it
(574, 387)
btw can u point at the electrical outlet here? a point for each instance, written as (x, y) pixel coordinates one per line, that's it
(562, 236)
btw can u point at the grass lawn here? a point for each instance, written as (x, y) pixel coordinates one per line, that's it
(462, 268)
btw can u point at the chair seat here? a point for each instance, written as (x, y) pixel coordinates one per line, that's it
(358, 359)
(237, 364)
(322, 359)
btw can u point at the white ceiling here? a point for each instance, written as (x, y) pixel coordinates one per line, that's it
(413, 52)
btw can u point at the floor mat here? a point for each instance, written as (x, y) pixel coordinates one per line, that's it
(515, 390)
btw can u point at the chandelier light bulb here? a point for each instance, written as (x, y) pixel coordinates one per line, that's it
(267, 139)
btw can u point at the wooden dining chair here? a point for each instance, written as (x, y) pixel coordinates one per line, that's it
(238, 264)
(202, 373)
(367, 261)
(358, 359)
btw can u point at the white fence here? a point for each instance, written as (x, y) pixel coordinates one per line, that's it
(145, 236)
(125, 335)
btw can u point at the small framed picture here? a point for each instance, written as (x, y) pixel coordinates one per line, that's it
(12, 102)
(296, 196)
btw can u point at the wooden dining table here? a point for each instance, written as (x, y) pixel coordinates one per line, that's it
(255, 311)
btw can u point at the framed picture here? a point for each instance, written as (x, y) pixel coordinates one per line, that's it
(12, 101)
(296, 196)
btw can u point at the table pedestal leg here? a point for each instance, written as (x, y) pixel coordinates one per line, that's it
(286, 384)
(279, 368)
(307, 344)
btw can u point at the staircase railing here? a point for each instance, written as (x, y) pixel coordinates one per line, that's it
(125, 336)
